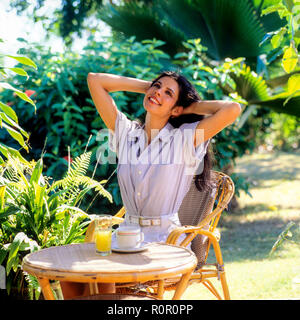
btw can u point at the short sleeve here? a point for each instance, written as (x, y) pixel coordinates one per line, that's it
(123, 126)
(193, 156)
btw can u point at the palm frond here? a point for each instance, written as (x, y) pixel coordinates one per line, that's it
(228, 28)
(136, 19)
(282, 103)
(249, 85)
(181, 15)
(234, 28)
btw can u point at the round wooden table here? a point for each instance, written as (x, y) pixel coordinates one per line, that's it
(81, 263)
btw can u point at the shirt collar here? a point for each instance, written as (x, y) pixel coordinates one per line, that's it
(163, 133)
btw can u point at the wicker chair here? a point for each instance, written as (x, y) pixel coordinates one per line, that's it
(199, 215)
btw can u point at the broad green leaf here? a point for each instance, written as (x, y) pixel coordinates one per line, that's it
(29, 244)
(11, 152)
(24, 60)
(13, 124)
(2, 194)
(9, 111)
(21, 94)
(277, 38)
(274, 8)
(6, 85)
(290, 59)
(24, 97)
(279, 104)
(19, 71)
(39, 194)
(295, 93)
(294, 83)
(16, 135)
(3, 253)
(13, 250)
(37, 171)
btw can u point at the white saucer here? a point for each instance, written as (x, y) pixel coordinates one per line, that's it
(115, 248)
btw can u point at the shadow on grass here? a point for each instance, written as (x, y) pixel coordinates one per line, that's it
(250, 240)
(277, 166)
(250, 233)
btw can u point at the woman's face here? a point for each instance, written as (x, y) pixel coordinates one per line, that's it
(161, 97)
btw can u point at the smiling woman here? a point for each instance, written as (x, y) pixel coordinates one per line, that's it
(158, 160)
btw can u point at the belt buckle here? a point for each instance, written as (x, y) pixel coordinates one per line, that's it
(144, 222)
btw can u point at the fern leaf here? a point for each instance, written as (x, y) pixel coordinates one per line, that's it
(93, 184)
(76, 179)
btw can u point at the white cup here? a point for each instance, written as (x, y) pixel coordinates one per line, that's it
(129, 237)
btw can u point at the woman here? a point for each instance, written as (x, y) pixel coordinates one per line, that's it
(158, 160)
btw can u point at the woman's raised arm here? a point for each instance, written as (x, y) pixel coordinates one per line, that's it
(219, 114)
(100, 84)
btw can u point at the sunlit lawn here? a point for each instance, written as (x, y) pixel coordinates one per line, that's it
(249, 234)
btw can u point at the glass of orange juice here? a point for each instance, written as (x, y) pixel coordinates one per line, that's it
(103, 231)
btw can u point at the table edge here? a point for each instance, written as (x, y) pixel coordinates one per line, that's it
(89, 276)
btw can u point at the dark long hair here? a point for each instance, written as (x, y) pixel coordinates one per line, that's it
(187, 95)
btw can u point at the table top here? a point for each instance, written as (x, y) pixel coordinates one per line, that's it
(80, 262)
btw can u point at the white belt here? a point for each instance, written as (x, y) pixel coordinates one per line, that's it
(144, 222)
(150, 221)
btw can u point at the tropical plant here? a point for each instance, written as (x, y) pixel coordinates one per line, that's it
(61, 86)
(228, 28)
(290, 233)
(8, 117)
(289, 33)
(66, 115)
(36, 214)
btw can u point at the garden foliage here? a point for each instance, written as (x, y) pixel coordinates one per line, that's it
(36, 212)
(66, 116)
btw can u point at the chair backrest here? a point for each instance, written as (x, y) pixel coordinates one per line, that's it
(198, 206)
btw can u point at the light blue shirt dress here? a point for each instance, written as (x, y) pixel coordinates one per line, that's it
(155, 178)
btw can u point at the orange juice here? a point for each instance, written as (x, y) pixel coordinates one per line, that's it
(103, 241)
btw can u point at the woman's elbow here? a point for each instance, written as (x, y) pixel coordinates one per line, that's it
(91, 76)
(235, 109)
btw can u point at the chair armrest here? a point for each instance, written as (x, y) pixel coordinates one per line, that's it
(191, 232)
(120, 213)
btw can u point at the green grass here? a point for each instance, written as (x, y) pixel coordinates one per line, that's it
(248, 234)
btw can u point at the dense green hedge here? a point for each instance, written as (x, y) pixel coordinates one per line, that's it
(66, 116)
